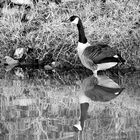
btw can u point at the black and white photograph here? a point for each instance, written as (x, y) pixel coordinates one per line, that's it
(69, 69)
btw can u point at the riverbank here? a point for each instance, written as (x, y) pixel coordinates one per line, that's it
(115, 23)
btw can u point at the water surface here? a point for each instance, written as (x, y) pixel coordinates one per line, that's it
(42, 105)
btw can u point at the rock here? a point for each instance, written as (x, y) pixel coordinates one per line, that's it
(9, 61)
(48, 67)
(19, 52)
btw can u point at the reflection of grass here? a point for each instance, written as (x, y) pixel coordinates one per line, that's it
(115, 22)
(57, 108)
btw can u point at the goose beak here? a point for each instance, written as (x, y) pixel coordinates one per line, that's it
(66, 21)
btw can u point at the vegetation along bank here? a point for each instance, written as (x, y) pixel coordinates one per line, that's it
(113, 22)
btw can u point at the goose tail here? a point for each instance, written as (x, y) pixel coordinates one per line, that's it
(119, 92)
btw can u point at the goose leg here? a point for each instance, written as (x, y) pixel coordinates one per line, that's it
(84, 104)
(95, 73)
(83, 116)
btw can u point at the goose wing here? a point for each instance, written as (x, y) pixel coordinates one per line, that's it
(98, 52)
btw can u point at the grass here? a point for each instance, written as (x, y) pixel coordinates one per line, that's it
(115, 23)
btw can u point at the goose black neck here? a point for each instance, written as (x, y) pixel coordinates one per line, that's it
(82, 37)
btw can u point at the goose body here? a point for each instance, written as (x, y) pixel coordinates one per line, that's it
(98, 57)
(95, 57)
(101, 89)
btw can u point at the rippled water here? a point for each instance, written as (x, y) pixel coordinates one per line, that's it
(42, 105)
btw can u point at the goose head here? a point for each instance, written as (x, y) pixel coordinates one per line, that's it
(74, 19)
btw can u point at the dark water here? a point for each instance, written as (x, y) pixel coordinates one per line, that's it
(42, 105)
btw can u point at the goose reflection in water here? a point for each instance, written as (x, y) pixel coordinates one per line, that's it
(100, 88)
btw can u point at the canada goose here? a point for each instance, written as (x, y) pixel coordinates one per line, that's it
(95, 57)
(101, 89)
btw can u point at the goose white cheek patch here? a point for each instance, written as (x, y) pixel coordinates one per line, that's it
(75, 21)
